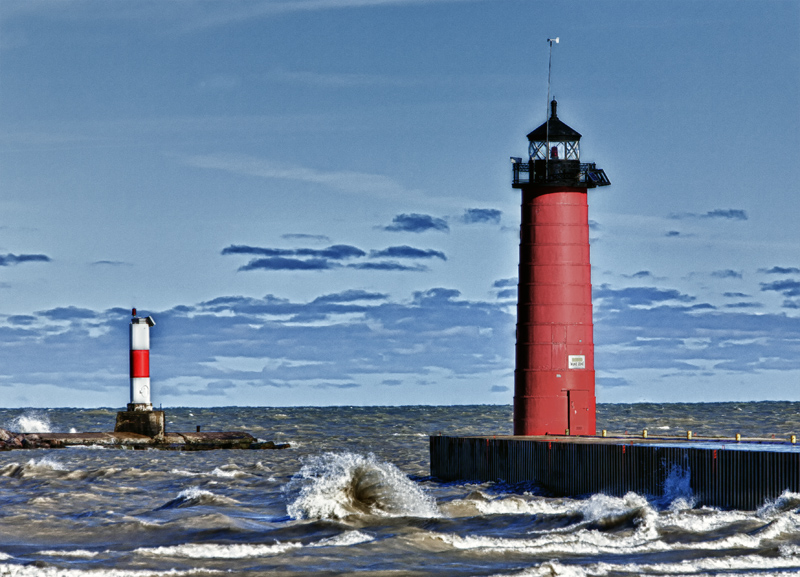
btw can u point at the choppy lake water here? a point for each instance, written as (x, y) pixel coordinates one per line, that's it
(353, 496)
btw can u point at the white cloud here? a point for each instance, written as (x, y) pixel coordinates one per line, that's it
(352, 182)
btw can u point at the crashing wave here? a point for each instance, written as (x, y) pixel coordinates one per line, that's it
(30, 423)
(33, 468)
(340, 485)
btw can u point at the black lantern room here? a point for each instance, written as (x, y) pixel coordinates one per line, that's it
(554, 158)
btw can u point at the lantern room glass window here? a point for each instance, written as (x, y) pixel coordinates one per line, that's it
(554, 150)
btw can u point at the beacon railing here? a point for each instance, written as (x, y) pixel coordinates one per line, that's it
(558, 172)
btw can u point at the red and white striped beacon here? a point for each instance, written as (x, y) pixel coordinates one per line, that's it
(140, 363)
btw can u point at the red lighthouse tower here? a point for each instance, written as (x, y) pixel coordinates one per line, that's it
(554, 390)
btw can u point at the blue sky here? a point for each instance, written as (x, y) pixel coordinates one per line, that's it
(313, 198)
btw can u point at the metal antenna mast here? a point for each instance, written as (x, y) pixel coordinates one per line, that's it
(547, 107)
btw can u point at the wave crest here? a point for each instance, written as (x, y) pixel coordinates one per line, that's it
(340, 485)
(196, 496)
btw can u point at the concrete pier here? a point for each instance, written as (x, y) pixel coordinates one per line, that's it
(723, 473)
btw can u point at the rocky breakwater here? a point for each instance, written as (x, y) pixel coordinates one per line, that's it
(9, 441)
(169, 441)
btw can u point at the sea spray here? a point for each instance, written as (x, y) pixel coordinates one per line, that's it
(340, 485)
(30, 423)
(678, 492)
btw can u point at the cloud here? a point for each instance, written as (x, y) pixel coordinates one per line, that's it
(350, 295)
(302, 236)
(505, 282)
(744, 305)
(388, 265)
(335, 252)
(68, 313)
(639, 274)
(357, 340)
(230, 12)
(730, 214)
(346, 181)
(507, 293)
(278, 258)
(405, 251)
(736, 295)
(612, 382)
(110, 263)
(632, 296)
(281, 263)
(481, 215)
(336, 386)
(787, 287)
(328, 258)
(727, 273)
(672, 233)
(780, 270)
(416, 223)
(215, 389)
(684, 339)
(594, 225)
(727, 214)
(12, 259)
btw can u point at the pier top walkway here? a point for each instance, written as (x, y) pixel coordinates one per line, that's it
(762, 444)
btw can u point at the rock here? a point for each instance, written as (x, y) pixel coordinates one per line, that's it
(14, 443)
(4, 435)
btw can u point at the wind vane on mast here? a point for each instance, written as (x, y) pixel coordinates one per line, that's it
(547, 106)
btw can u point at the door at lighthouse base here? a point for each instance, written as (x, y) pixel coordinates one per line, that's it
(578, 412)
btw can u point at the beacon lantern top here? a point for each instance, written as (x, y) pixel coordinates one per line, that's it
(555, 133)
(554, 158)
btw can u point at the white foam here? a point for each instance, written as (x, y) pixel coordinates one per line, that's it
(786, 501)
(552, 569)
(344, 540)
(678, 490)
(480, 503)
(218, 551)
(43, 464)
(339, 485)
(30, 423)
(7, 570)
(715, 565)
(217, 472)
(4, 556)
(195, 494)
(78, 553)
(645, 536)
(700, 521)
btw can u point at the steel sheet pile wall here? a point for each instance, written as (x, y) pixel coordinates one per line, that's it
(727, 478)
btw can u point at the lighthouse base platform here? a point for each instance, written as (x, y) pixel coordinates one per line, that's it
(142, 422)
(722, 473)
